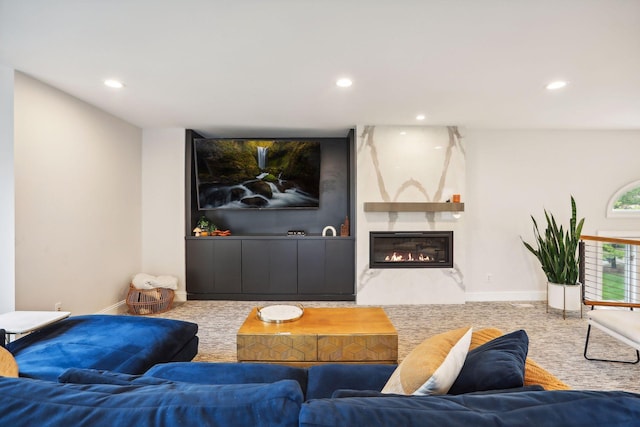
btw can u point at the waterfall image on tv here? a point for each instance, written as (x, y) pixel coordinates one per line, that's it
(257, 173)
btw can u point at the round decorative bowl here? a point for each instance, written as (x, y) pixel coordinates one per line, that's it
(280, 313)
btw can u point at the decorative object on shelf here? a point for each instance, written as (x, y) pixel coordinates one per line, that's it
(328, 228)
(204, 223)
(557, 251)
(344, 228)
(280, 313)
(455, 198)
(205, 227)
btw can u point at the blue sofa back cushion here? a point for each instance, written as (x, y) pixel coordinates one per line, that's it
(325, 379)
(566, 408)
(27, 402)
(96, 376)
(495, 365)
(228, 373)
(126, 344)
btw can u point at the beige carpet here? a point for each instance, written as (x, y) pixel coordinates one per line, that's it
(555, 343)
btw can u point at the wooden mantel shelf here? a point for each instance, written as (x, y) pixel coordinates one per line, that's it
(413, 207)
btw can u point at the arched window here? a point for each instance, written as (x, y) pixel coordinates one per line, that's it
(625, 202)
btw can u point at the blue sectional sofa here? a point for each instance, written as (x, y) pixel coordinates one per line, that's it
(126, 371)
(128, 344)
(231, 394)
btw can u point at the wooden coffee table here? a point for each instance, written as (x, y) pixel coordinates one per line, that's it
(321, 335)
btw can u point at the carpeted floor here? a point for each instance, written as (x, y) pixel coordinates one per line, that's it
(554, 343)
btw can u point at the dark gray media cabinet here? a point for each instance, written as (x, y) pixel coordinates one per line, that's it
(268, 268)
(259, 261)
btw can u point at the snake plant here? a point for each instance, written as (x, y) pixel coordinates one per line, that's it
(557, 248)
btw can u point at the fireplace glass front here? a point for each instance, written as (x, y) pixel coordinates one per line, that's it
(411, 249)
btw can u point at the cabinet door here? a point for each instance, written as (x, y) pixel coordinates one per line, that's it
(311, 260)
(326, 267)
(255, 266)
(199, 271)
(269, 267)
(213, 266)
(339, 267)
(227, 266)
(283, 266)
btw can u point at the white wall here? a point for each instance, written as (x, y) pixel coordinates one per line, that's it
(509, 176)
(7, 193)
(78, 201)
(163, 209)
(514, 174)
(97, 200)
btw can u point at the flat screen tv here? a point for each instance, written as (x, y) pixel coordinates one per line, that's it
(257, 173)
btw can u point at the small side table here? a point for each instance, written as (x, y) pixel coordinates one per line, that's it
(22, 322)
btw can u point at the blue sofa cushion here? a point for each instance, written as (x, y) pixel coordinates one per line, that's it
(566, 408)
(325, 379)
(228, 373)
(117, 343)
(96, 376)
(497, 364)
(28, 402)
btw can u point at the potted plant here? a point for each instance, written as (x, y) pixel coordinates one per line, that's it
(557, 251)
(204, 225)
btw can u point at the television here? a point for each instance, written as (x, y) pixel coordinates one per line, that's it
(257, 173)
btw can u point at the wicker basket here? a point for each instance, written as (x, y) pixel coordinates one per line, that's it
(149, 301)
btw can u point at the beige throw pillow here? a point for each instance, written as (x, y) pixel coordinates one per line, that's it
(433, 366)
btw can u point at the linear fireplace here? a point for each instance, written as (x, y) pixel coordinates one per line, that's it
(411, 249)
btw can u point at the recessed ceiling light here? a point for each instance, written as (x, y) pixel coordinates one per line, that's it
(115, 84)
(403, 132)
(559, 84)
(344, 82)
(421, 117)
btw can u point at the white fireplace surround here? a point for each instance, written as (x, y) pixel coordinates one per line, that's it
(409, 165)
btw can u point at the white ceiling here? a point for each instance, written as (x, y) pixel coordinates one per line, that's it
(268, 67)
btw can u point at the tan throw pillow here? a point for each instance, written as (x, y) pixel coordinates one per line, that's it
(8, 365)
(534, 374)
(433, 366)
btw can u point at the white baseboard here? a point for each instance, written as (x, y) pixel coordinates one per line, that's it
(506, 296)
(117, 308)
(181, 296)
